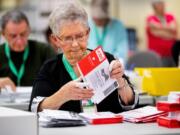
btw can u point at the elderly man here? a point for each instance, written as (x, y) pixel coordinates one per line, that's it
(57, 86)
(20, 58)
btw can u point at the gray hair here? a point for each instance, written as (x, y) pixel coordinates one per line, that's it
(100, 9)
(67, 11)
(15, 16)
(156, 2)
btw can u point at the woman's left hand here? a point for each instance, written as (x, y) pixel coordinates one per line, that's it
(116, 70)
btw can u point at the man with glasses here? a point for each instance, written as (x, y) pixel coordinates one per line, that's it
(20, 58)
(59, 84)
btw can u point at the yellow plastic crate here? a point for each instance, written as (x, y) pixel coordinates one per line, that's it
(159, 81)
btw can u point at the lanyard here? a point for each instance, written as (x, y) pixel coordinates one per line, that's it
(100, 40)
(13, 68)
(69, 68)
(71, 72)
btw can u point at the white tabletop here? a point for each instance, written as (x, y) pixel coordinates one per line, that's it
(16, 105)
(112, 129)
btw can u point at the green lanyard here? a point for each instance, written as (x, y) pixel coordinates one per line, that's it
(13, 68)
(69, 68)
(71, 72)
(100, 40)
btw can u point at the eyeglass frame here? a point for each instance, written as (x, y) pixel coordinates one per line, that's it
(74, 37)
(14, 37)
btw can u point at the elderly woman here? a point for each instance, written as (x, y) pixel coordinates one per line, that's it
(57, 86)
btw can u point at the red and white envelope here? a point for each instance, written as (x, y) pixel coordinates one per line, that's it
(94, 69)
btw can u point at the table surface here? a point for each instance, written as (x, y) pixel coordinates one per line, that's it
(106, 129)
(115, 129)
(21, 106)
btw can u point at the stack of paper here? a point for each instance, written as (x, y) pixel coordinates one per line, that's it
(22, 94)
(142, 115)
(168, 106)
(101, 117)
(168, 122)
(56, 118)
(173, 119)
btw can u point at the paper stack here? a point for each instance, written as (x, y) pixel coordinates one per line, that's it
(22, 94)
(101, 117)
(143, 115)
(57, 118)
(172, 106)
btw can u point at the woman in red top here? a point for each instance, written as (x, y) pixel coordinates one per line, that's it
(161, 32)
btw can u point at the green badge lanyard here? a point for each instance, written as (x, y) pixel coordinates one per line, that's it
(13, 68)
(100, 40)
(69, 68)
(71, 72)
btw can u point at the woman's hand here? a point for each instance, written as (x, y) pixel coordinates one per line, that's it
(73, 90)
(116, 70)
(6, 81)
(76, 90)
(124, 90)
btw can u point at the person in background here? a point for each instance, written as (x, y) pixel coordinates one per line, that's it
(176, 52)
(57, 85)
(108, 32)
(50, 40)
(161, 32)
(20, 58)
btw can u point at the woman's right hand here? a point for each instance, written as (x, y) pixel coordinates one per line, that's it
(73, 90)
(6, 81)
(76, 90)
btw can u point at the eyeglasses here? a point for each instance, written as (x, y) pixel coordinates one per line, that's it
(80, 37)
(17, 36)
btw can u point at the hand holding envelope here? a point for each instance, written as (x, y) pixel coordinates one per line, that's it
(77, 90)
(116, 69)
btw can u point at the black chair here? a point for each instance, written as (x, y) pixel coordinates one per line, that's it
(132, 38)
(144, 59)
(176, 52)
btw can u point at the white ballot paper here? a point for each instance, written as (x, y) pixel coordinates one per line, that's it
(94, 69)
(22, 94)
(143, 114)
(60, 118)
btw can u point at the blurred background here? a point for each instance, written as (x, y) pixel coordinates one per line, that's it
(131, 12)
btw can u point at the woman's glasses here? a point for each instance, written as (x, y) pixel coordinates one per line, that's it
(80, 37)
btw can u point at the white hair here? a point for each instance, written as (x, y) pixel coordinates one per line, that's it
(100, 9)
(67, 11)
(157, 1)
